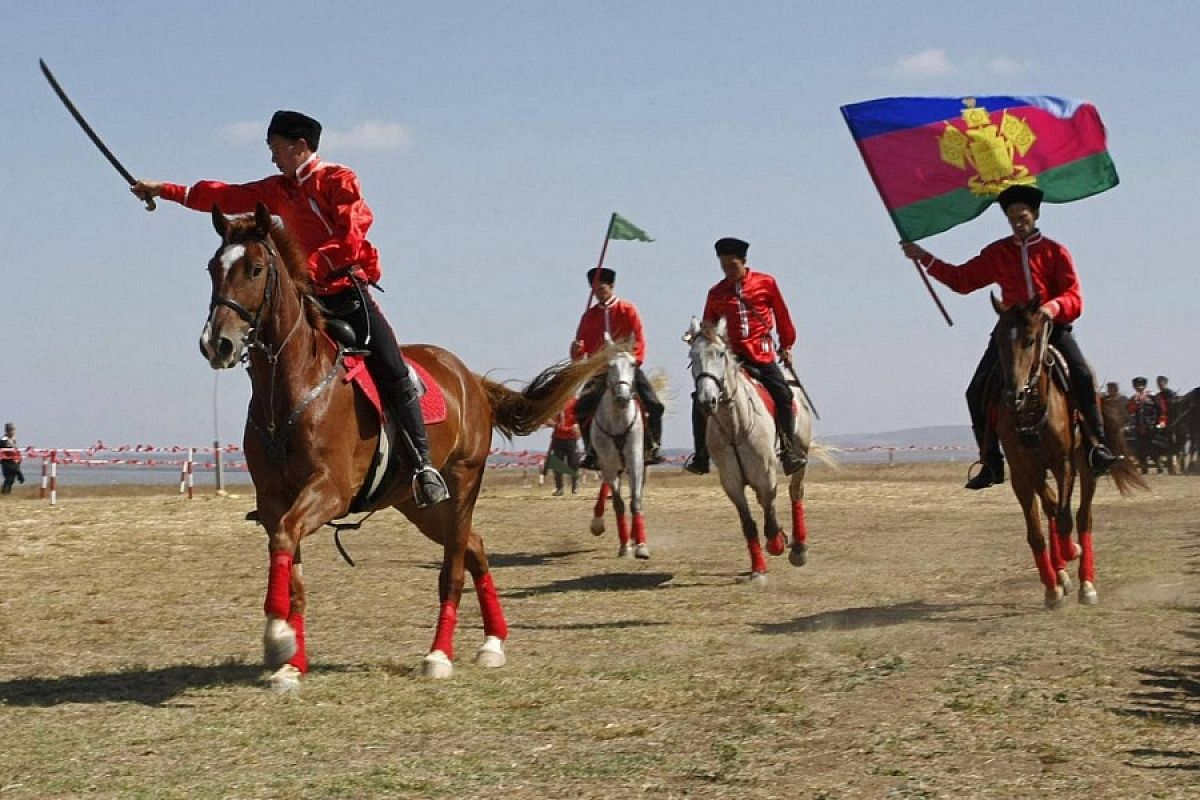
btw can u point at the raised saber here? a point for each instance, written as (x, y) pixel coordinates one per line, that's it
(66, 101)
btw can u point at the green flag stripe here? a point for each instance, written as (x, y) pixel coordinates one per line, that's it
(626, 230)
(1074, 180)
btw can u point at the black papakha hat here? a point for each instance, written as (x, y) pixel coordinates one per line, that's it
(1021, 193)
(1139, 381)
(606, 276)
(1163, 378)
(731, 247)
(294, 125)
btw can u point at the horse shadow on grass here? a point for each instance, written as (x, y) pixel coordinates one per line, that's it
(849, 619)
(608, 582)
(150, 687)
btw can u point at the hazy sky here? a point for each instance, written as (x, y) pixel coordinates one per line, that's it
(493, 140)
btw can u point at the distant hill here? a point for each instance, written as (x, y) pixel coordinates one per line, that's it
(935, 436)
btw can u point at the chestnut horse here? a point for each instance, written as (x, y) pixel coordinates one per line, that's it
(1036, 421)
(310, 437)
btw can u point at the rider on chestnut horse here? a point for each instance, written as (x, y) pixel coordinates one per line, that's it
(1025, 265)
(321, 204)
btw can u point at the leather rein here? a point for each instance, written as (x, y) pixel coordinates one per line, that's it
(274, 434)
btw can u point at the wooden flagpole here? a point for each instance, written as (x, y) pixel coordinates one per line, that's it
(603, 251)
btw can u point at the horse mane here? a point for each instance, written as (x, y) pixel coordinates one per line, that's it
(243, 228)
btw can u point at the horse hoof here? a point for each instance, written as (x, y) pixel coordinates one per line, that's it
(641, 551)
(1064, 581)
(758, 579)
(1087, 594)
(626, 551)
(491, 653)
(285, 680)
(777, 544)
(437, 666)
(798, 556)
(597, 526)
(279, 643)
(1054, 597)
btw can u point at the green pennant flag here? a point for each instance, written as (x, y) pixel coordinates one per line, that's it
(622, 228)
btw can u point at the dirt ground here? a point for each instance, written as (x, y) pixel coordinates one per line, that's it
(911, 657)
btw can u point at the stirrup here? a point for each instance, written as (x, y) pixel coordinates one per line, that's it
(652, 456)
(696, 464)
(1101, 459)
(792, 461)
(987, 476)
(429, 487)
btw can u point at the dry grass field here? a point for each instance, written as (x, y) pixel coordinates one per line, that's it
(911, 657)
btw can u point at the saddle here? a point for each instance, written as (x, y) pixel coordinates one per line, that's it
(768, 401)
(389, 459)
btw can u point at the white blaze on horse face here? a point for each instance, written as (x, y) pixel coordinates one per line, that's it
(620, 378)
(230, 256)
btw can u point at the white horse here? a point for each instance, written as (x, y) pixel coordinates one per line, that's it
(741, 441)
(617, 439)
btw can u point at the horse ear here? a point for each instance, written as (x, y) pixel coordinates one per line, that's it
(262, 220)
(220, 223)
(1035, 302)
(996, 304)
(722, 328)
(693, 330)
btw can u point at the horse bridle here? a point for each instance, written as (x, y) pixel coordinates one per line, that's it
(272, 286)
(724, 397)
(1030, 389)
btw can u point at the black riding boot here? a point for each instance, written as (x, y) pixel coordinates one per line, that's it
(585, 433)
(429, 488)
(991, 460)
(1100, 457)
(653, 438)
(698, 463)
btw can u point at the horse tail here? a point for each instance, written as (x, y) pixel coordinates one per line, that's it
(522, 413)
(1124, 473)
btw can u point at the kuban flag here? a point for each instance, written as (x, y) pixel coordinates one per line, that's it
(621, 228)
(940, 161)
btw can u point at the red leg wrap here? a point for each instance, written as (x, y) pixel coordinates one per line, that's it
(601, 499)
(1052, 542)
(799, 526)
(639, 529)
(623, 529)
(1045, 568)
(1087, 558)
(300, 660)
(444, 638)
(279, 586)
(758, 561)
(489, 606)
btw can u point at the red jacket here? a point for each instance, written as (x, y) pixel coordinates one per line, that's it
(322, 207)
(619, 319)
(1037, 265)
(751, 316)
(565, 423)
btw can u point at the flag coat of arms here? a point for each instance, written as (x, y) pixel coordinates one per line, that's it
(941, 161)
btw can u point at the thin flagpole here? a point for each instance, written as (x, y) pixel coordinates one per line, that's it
(600, 263)
(929, 286)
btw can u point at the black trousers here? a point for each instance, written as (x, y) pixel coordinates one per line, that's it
(771, 376)
(1083, 389)
(385, 363)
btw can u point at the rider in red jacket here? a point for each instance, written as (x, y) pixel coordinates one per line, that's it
(1024, 265)
(322, 205)
(752, 306)
(620, 321)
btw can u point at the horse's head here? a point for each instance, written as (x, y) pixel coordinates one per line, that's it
(1022, 336)
(710, 361)
(245, 278)
(619, 378)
